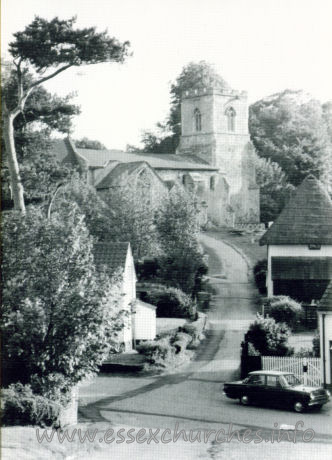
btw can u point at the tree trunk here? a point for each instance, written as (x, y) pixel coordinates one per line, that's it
(15, 178)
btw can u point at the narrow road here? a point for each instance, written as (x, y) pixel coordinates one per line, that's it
(231, 310)
(192, 395)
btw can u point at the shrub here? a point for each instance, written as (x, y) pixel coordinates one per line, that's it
(23, 407)
(260, 270)
(269, 337)
(195, 329)
(158, 353)
(171, 303)
(181, 341)
(147, 269)
(283, 309)
(304, 353)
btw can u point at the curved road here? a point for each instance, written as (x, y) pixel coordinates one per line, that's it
(192, 396)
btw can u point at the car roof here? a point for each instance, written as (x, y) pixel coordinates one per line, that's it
(262, 372)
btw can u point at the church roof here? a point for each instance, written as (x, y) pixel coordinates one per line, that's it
(326, 301)
(110, 255)
(306, 218)
(64, 149)
(99, 158)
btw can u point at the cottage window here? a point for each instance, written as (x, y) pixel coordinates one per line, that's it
(230, 114)
(198, 120)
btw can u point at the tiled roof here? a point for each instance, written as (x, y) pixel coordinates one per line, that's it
(112, 256)
(99, 158)
(118, 174)
(306, 218)
(326, 301)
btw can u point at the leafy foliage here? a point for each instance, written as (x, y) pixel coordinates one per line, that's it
(182, 262)
(59, 316)
(283, 309)
(158, 353)
(291, 129)
(85, 143)
(131, 217)
(95, 210)
(171, 303)
(275, 190)
(23, 407)
(47, 48)
(166, 137)
(40, 171)
(269, 337)
(44, 44)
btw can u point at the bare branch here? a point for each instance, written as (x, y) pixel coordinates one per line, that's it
(48, 77)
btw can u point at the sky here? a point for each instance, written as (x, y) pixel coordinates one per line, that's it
(261, 46)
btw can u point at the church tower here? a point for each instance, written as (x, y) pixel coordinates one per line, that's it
(214, 124)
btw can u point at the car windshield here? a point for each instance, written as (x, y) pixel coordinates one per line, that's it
(291, 380)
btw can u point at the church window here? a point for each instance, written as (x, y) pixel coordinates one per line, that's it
(198, 120)
(212, 183)
(231, 114)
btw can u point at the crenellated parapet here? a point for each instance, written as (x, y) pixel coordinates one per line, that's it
(213, 90)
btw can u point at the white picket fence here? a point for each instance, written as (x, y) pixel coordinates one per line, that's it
(295, 365)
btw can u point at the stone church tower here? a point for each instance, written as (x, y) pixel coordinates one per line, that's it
(215, 129)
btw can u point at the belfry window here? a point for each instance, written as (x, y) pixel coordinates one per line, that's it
(198, 120)
(230, 114)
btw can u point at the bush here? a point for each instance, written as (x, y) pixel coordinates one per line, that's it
(22, 407)
(283, 309)
(269, 337)
(158, 353)
(181, 341)
(147, 269)
(260, 270)
(195, 329)
(171, 303)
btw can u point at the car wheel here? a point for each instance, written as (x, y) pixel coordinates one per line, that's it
(244, 400)
(299, 406)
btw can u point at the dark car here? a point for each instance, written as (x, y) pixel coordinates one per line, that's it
(276, 388)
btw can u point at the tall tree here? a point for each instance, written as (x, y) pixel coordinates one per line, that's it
(290, 129)
(275, 190)
(48, 48)
(44, 113)
(182, 263)
(59, 316)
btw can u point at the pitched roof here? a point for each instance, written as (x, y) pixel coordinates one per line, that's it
(326, 301)
(118, 174)
(110, 255)
(306, 218)
(99, 158)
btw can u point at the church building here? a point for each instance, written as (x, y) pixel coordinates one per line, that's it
(215, 158)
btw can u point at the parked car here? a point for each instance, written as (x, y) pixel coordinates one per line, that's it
(276, 388)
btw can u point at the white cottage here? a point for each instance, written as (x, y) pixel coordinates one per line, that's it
(299, 245)
(325, 331)
(141, 321)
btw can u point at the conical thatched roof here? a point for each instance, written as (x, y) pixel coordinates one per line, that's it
(326, 301)
(306, 219)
